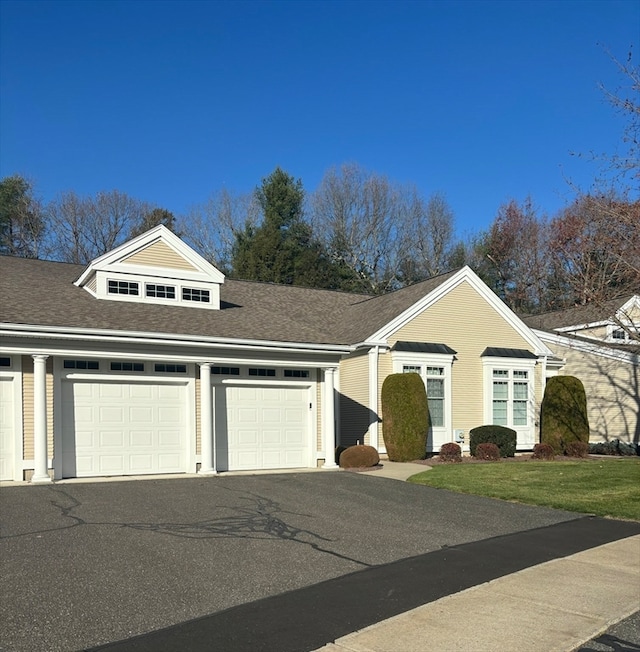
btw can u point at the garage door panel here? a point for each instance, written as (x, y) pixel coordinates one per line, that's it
(262, 428)
(7, 426)
(123, 428)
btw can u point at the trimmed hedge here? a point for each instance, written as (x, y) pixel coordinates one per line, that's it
(614, 447)
(563, 414)
(504, 438)
(356, 457)
(405, 417)
(450, 452)
(487, 451)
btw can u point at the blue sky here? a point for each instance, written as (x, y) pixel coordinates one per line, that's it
(172, 101)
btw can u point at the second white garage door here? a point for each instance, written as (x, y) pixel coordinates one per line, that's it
(7, 425)
(117, 428)
(262, 428)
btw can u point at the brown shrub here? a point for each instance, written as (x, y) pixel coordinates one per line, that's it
(487, 451)
(576, 449)
(543, 452)
(357, 457)
(450, 452)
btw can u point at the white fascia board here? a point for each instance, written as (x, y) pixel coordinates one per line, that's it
(621, 315)
(50, 332)
(581, 327)
(160, 232)
(588, 347)
(465, 274)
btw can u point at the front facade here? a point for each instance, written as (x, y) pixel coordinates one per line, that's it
(149, 361)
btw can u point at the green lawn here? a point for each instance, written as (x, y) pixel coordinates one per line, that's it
(602, 487)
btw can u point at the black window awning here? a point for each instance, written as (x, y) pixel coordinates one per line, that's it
(423, 347)
(499, 352)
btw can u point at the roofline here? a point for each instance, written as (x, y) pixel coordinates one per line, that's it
(588, 347)
(140, 337)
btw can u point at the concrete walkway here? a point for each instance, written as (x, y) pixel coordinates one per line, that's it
(555, 606)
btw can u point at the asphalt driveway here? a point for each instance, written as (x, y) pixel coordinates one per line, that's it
(86, 564)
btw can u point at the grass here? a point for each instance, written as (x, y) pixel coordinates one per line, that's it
(601, 487)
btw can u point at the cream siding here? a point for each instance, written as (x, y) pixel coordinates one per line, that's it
(27, 407)
(93, 284)
(198, 411)
(613, 392)
(355, 415)
(463, 320)
(159, 254)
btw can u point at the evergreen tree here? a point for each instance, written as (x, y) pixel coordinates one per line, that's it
(282, 248)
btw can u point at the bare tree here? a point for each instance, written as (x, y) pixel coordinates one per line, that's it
(359, 217)
(212, 228)
(84, 228)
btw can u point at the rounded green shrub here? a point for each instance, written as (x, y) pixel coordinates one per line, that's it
(487, 451)
(405, 417)
(543, 452)
(577, 449)
(563, 414)
(504, 438)
(450, 452)
(358, 457)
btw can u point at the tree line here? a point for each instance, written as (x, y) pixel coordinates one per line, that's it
(360, 231)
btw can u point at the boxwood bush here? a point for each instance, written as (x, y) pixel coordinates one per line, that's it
(504, 438)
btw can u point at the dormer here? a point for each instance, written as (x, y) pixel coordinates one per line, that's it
(155, 267)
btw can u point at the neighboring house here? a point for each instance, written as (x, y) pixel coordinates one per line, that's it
(149, 361)
(593, 346)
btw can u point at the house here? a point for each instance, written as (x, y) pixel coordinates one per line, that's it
(592, 345)
(150, 361)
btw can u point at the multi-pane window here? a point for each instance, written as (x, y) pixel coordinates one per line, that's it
(434, 382)
(5, 362)
(262, 372)
(171, 368)
(435, 395)
(124, 287)
(510, 397)
(225, 371)
(161, 291)
(195, 294)
(296, 373)
(81, 364)
(127, 366)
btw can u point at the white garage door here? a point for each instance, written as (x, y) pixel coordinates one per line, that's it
(7, 425)
(262, 428)
(115, 428)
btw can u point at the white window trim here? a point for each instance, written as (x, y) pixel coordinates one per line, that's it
(525, 433)
(399, 359)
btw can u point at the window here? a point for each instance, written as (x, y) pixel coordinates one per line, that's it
(171, 368)
(195, 294)
(433, 378)
(225, 371)
(296, 373)
(127, 366)
(161, 291)
(262, 372)
(5, 362)
(618, 335)
(510, 397)
(81, 364)
(124, 287)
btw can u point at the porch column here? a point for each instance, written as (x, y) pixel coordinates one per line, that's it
(329, 421)
(206, 421)
(40, 475)
(373, 397)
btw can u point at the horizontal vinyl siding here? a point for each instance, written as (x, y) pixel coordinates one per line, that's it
(27, 407)
(198, 411)
(354, 400)
(159, 255)
(463, 320)
(613, 392)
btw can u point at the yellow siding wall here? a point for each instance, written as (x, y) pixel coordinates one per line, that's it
(197, 410)
(159, 255)
(463, 320)
(27, 407)
(354, 400)
(613, 392)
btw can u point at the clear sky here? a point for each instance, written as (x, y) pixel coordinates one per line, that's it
(172, 101)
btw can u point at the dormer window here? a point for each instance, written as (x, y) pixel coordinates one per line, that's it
(195, 294)
(161, 291)
(124, 287)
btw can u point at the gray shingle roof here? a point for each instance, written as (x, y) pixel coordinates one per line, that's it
(42, 293)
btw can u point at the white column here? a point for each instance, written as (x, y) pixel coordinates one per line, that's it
(206, 421)
(40, 474)
(329, 421)
(373, 397)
